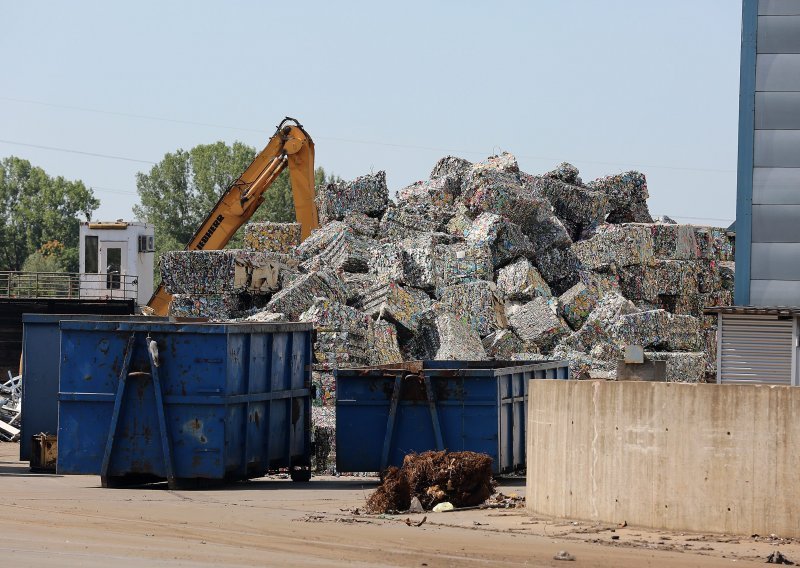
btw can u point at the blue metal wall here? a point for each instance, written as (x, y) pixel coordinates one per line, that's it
(768, 195)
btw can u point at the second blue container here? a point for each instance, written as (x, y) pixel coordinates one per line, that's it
(385, 413)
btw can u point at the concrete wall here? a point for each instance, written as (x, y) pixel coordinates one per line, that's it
(696, 457)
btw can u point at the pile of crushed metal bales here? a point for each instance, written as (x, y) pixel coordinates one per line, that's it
(479, 261)
(463, 479)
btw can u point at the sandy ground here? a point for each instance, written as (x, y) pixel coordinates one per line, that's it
(50, 520)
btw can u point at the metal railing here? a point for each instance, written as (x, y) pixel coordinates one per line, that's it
(68, 285)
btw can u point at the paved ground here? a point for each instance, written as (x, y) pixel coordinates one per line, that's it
(71, 521)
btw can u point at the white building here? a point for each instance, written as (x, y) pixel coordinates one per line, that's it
(116, 260)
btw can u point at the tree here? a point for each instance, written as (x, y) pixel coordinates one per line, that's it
(180, 191)
(48, 258)
(35, 209)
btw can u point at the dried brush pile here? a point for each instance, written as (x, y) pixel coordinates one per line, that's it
(461, 478)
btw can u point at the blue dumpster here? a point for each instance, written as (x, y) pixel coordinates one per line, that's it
(40, 350)
(384, 413)
(141, 402)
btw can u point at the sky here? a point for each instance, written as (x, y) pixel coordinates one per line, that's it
(99, 91)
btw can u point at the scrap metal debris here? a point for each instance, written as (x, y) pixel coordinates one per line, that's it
(778, 558)
(481, 260)
(10, 408)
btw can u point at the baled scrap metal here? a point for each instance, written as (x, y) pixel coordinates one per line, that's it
(674, 242)
(581, 209)
(386, 262)
(657, 329)
(452, 166)
(201, 272)
(727, 274)
(265, 317)
(521, 280)
(496, 191)
(714, 243)
(362, 225)
(323, 460)
(326, 388)
(460, 263)
(596, 329)
(211, 306)
(537, 323)
(600, 282)
(475, 304)
(461, 222)
(709, 277)
(409, 220)
(443, 336)
(682, 367)
(503, 344)
(342, 334)
(627, 193)
(365, 194)
(411, 261)
(298, 296)
(708, 341)
(321, 238)
(616, 245)
(565, 172)
(582, 365)
(384, 346)
(658, 278)
(559, 267)
(576, 304)
(344, 252)
(439, 192)
(505, 161)
(504, 238)
(666, 219)
(396, 303)
(275, 237)
(356, 285)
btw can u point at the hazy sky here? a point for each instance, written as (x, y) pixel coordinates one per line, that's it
(608, 86)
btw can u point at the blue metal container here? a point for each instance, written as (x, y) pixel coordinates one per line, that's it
(384, 413)
(40, 350)
(180, 401)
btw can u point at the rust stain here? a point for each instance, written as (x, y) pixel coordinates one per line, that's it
(295, 410)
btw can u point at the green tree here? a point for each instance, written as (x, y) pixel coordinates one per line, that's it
(35, 209)
(180, 191)
(48, 258)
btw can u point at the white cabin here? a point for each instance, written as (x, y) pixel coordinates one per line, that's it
(116, 260)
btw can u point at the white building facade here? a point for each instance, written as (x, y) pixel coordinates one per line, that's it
(116, 260)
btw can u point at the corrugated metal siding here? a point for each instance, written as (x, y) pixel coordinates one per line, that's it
(755, 349)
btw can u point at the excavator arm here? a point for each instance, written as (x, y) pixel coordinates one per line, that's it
(291, 147)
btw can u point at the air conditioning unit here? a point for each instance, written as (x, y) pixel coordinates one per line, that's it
(147, 243)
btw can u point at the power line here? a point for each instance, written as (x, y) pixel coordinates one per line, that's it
(71, 151)
(355, 141)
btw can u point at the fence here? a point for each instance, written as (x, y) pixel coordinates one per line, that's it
(67, 285)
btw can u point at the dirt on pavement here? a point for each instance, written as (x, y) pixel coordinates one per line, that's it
(71, 521)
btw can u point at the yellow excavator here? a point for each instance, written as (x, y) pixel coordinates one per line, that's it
(291, 147)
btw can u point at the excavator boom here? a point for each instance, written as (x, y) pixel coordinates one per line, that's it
(291, 147)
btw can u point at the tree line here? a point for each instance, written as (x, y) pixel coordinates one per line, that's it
(40, 214)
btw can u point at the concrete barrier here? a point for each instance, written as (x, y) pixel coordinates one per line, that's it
(695, 457)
